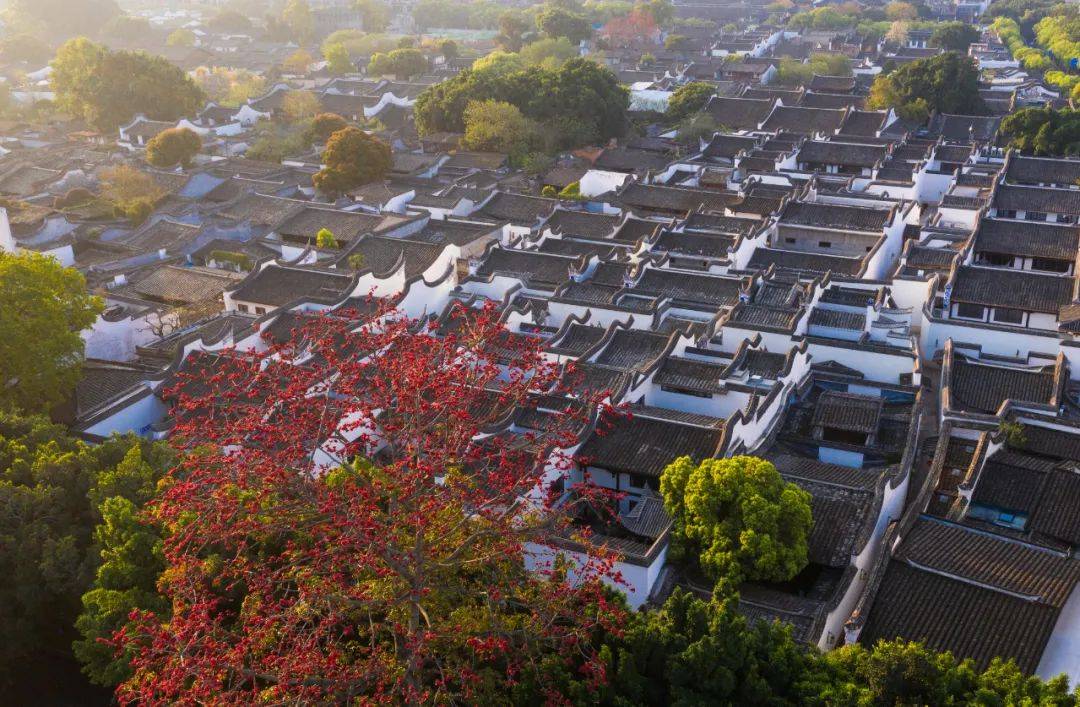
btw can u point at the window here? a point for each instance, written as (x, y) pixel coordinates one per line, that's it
(1006, 213)
(1008, 316)
(1035, 216)
(824, 244)
(1050, 264)
(242, 307)
(789, 240)
(996, 259)
(260, 310)
(970, 311)
(1066, 218)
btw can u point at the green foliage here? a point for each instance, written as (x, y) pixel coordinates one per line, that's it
(78, 196)
(579, 103)
(50, 488)
(738, 517)
(325, 239)
(356, 261)
(677, 43)
(45, 308)
(229, 87)
(132, 193)
(555, 21)
(108, 88)
(1025, 13)
(899, 673)
(695, 128)
(375, 14)
(25, 47)
(513, 24)
(274, 142)
(180, 38)
(324, 125)
(822, 18)
(479, 14)
(548, 53)
(954, 36)
(497, 126)
(403, 63)
(793, 72)
(689, 99)
(692, 651)
(229, 22)
(126, 28)
(59, 19)
(240, 260)
(172, 147)
(549, 191)
(695, 652)
(1059, 35)
(571, 192)
(359, 43)
(297, 18)
(1043, 131)
(449, 49)
(352, 158)
(337, 59)
(131, 559)
(947, 83)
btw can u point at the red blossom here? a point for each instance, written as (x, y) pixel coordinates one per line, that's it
(349, 519)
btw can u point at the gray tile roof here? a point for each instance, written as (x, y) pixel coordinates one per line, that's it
(1016, 289)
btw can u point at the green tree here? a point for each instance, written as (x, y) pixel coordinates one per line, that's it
(324, 125)
(25, 47)
(555, 21)
(580, 102)
(181, 38)
(696, 652)
(109, 88)
(297, 17)
(449, 49)
(737, 517)
(45, 308)
(131, 561)
(126, 28)
(697, 127)
(325, 239)
(298, 62)
(677, 43)
(948, 83)
(131, 192)
(497, 126)
(299, 106)
(337, 59)
(688, 99)
(902, 673)
(352, 158)
(229, 22)
(1043, 132)
(375, 14)
(954, 36)
(48, 556)
(403, 63)
(273, 142)
(549, 53)
(59, 19)
(513, 24)
(175, 146)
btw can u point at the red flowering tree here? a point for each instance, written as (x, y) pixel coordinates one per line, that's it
(637, 27)
(350, 520)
